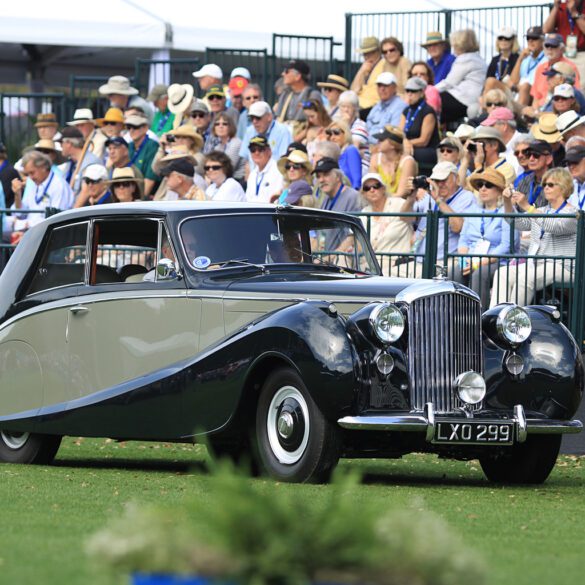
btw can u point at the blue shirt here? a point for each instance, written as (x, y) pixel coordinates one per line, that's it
(383, 113)
(350, 162)
(529, 65)
(3, 206)
(243, 124)
(279, 137)
(441, 70)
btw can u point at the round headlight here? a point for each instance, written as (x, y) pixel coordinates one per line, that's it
(387, 322)
(514, 324)
(470, 387)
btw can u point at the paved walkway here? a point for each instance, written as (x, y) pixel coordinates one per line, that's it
(575, 444)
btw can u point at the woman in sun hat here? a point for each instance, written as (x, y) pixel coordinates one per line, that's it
(125, 185)
(333, 87)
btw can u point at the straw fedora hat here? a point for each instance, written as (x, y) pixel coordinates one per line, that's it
(44, 120)
(45, 145)
(369, 45)
(118, 84)
(180, 97)
(433, 38)
(189, 131)
(297, 157)
(335, 82)
(546, 128)
(491, 176)
(81, 116)
(125, 174)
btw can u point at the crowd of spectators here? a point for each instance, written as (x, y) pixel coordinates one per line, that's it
(506, 137)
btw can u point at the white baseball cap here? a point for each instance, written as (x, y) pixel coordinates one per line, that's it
(241, 72)
(259, 109)
(442, 170)
(564, 90)
(95, 172)
(386, 78)
(211, 70)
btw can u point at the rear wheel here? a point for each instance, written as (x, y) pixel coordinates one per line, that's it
(529, 462)
(28, 447)
(295, 442)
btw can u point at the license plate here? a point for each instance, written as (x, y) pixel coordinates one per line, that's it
(474, 433)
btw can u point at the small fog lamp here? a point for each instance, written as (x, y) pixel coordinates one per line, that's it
(470, 387)
(385, 363)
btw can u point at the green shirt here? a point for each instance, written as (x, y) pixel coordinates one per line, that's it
(145, 157)
(162, 122)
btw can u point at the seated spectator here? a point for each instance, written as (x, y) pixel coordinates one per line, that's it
(95, 190)
(561, 74)
(180, 102)
(364, 82)
(112, 124)
(570, 124)
(502, 119)
(349, 112)
(7, 174)
(83, 120)
(219, 171)
(142, 151)
(179, 174)
(440, 57)
(118, 157)
(488, 234)
(265, 180)
(390, 107)
(123, 96)
(52, 191)
(502, 65)
(419, 124)
(126, 185)
(333, 88)
(78, 157)
(223, 138)
(350, 161)
(575, 161)
(48, 128)
(521, 153)
(251, 94)
(236, 87)
(300, 194)
(216, 99)
(295, 166)
(522, 76)
(396, 62)
(210, 74)
(546, 129)
(337, 196)
(200, 119)
(163, 117)
(451, 150)
(317, 120)
(549, 237)
(488, 102)
(432, 95)
(391, 163)
(564, 99)
(388, 235)
(463, 85)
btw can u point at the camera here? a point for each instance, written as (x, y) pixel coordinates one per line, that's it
(171, 138)
(420, 182)
(471, 147)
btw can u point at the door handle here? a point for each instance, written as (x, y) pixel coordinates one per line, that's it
(79, 309)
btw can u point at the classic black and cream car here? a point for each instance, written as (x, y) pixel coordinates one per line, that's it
(249, 326)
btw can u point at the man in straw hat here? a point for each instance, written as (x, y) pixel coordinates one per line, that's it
(83, 120)
(364, 82)
(546, 129)
(440, 57)
(570, 124)
(163, 117)
(48, 128)
(122, 95)
(333, 88)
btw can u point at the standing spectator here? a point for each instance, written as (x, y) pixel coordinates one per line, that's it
(463, 85)
(364, 82)
(549, 237)
(546, 129)
(440, 57)
(163, 117)
(570, 124)
(112, 124)
(263, 123)
(95, 190)
(222, 187)
(390, 107)
(122, 95)
(251, 95)
(502, 65)
(562, 74)
(7, 174)
(142, 151)
(432, 95)
(350, 161)
(223, 138)
(568, 20)
(74, 149)
(180, 100)
(265, 180)
(333, 87)
(564, 99)
(349, 112)
(296, 75)
(118, 157)
(419, 124)
(84, 122)
(522, 76)
(208, 75)
(338, 196)
(216, 99)
(396, 62)
(502, 119)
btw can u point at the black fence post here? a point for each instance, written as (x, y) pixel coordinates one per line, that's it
(577, 324)
(348, 46)
(431, 239)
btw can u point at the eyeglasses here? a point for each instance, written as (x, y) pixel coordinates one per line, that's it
(334, 132)
(373, 187)
(221, 123)
(521, 153)
(560, 98)
(293, 166)
(534, 155)
(212, 168)
(198, 114)
(486, 184)
(214, 97)
(329, 89)
(447, 149)
(254, 118)
(111, 123)
(251, 97)
(132, 127)
(256, 148)
(89, 181)
(412, 90)
(497, 104)
(502, 38)
(123, 184)
(391, 50)
(549, 46)
(549, 185)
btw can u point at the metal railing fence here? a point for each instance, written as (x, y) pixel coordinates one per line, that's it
(150, 72)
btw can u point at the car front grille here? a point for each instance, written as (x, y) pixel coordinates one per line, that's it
(444, 341)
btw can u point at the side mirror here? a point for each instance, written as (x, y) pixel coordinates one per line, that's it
(166, 270)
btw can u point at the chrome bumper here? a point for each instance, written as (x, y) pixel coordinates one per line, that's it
(425, 423)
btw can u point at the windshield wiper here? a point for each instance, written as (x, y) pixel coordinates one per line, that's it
(240, 262)
(318, 261)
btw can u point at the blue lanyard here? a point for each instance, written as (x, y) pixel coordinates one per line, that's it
(547, 212)
(580, 189)
(411, 116)
(329, 205)
(270, 129)
(259, 181)
(500, 163)
(69, 172)
(448, 202)
(482, 229)
(534, 193)
(137, 153)
(103, 198)
(571, 22)
(162, 122)
(499, 72)
(536, 63)
(3, 165)
(44, 194)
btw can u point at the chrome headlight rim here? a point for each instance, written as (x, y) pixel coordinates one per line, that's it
(381, 312)
(470, 387)
(503, 330)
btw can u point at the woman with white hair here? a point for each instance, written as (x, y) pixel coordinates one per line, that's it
(349, 112)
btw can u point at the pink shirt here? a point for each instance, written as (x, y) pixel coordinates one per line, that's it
(433, 98)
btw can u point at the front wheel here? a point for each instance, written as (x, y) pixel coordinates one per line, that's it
(295, 442)
(530, 462)
(28, 447)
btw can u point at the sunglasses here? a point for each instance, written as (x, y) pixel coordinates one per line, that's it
(132, 127)
(549, 46)
(221, 124)
(447, 149)
(44, 150)
(373, 187)
(561, 98)
(111, 123)
(123, 184)
(251, 97)
(215, 97)
(521, 153)
(505, 38)
(293, 166)
(254, 118)
(289, 69)
(497, 104)
(89, 181)
(550, 185)
(392, 50)
(256, 148)
(212, 167)
(334, 132)
(533, 38)
(534, 155)
(198, 114)
(486, 184)
(413, 90)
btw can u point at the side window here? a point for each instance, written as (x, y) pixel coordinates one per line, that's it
(64, 260)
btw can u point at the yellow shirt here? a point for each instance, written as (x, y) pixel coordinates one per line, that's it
(368, 94)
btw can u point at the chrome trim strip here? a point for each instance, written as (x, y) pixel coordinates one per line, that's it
(520, 419)
(429, 411)
(430, 288)
(538, 426)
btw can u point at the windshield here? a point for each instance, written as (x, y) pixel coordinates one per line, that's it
(210, 243)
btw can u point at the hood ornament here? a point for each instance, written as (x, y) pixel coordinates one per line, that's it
(440, 272)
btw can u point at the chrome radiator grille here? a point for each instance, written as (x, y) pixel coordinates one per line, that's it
(444, 341)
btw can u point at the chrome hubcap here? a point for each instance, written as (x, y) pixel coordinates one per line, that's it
(287, 425)
(14, 440)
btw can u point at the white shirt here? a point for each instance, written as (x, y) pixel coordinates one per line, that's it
(509, 154)
(229, 190)
(578, 194)
(263, 185)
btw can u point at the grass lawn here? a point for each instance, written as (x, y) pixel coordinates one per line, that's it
(527, 535)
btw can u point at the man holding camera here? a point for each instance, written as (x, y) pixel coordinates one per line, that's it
(442, 192)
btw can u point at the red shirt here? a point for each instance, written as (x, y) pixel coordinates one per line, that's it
(563, 26)
(539, 89)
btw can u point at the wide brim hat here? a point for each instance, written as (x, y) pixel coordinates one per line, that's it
(125, 174)
(433, 38)
(298, 157)
(46, 144)
(335, 82)
(368, 45)
(112, 115)
(46, 120)
(118, 84)
(569, 120)
(546, 128)
(180, 97)
(82, 116)
(491, 176)
(189, 131)
(489, 133)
